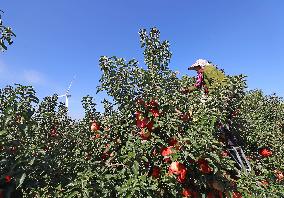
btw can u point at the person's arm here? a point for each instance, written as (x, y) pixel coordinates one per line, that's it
(199, 80)
(188, 90)
(184, 90)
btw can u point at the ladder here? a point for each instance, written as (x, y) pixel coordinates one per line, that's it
(238, 155)
(236, 151)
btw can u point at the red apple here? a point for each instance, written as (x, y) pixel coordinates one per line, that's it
(7, 178)
(186, 192)
(145, 134)
(225, 153)
(204, 166)
(264, 183)
(177, 168)
(140, 101)
(182, 176)
(235, 113)
(173, 142)
(155, 172)
(185, 117)
(105, 156)
(142, 123)
(167, 160)
(53, 132)
(154, 153)
(155, 112)
(167, 151)
(150, 126)
(137, 115)
(265, 152)
(206, 90)
(152, 103)
(279, 175)
(97, 136)
(95, 126)
(237, 194)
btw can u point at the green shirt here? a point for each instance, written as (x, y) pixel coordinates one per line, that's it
(213, 76)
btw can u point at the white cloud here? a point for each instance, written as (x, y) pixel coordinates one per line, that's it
(2, 67)
(10, 74)
(32, 76)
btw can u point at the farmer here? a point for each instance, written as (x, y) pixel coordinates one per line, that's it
(208, 76)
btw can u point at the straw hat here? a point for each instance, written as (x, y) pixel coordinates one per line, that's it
(199, 63)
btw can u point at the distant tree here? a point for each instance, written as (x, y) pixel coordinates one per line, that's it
(6, 35)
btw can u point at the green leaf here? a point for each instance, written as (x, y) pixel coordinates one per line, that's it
(145, 158)
(73, 194)
(32, 161)
(3, 132)
(135, 167)
(213, 121)
(21, 180)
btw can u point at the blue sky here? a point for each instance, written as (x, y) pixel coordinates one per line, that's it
(57, 39)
